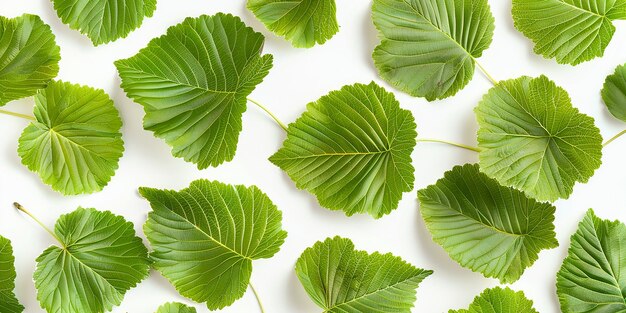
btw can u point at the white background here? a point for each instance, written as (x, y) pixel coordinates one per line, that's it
(300, 76)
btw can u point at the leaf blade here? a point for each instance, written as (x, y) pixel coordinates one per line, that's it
(8, 301)
(499, 300)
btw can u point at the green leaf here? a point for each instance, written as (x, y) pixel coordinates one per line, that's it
(104, 21)
(100, 258)
(340, 279)
(303, 22)
(75, 142)
(499, 300)
(205, 238)
(488, 228)
(614, 93)
(193, 83)
(534, 140)
(352, 150)
(568, 30)
(8, 301)
(590, 279)
(29, 57)
(428, 47)
(175, 307)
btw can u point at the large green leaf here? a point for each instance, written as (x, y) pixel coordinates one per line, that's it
(534, 140)
(8, 301)
(193, 83)
(104, 20)
(592, 278)
(484, 226)
(303, 22)
(341, 279)
(99, 260)
(29, 57)
(572, 31)
(75, 142)
(205, 238)
(614, 93)
(175, 307)
(352, 149)
(428, 47)
(499, 300)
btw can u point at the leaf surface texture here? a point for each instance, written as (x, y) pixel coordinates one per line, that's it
(614, 93)
(499, 300)
(8, 301)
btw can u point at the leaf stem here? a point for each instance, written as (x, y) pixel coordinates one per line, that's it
(281, 124)
(613, 138)
(258, 299)
(21, 208)
(475, 149)
(482, 69)
(28, 117)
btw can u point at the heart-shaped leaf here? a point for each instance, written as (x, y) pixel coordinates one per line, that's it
(75, 142)
(8, 301)
(352, 150)
(193, 83)
(614, 93)
(499, 300)
(486, 227)
(175, 307)
(205, 238)
(29, 57)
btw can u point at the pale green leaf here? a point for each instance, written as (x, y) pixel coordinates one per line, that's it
(614, 93)
(488, 228)
(205, 238)
(193, 83)
(175, 307)
(428, 47)
(572, 31)
(352, 150)
(592, 278)
(533, 139)
(29, 57)
(104, 21)
(303, 22)
(8, 301)
(99, 260)
(75, 142)
(499, 300)
(340, 279)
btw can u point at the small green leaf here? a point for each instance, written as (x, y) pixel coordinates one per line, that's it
(75, 142)
(533, 139)
(499, 300)
(193, 83)
(104, 21)
(590, 279)
(100, 259)
(175, 307)
(428, 47)
(8, 301)
(570, 31)
(340, 279)
(303, 22)
(29, 57)
(614, 93)
(352, 150)
(488, 228)
(205, 238)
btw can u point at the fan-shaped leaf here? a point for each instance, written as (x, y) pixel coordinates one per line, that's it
(193, 83)
(104, 20)
(499, 300)
(593, 276)
(614, 93)
(303, 22)
(484, 226)
(534, 140)
(8, 301)
(175, 307)
(428, 47)
(205, 238)
(341, 279)
(572, 31)
(100, 258)
(75, 142)
(352, 149)
(29, 57)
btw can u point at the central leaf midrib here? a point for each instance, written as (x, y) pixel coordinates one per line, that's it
(583, 10)
(337, 154)
(66, 251)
